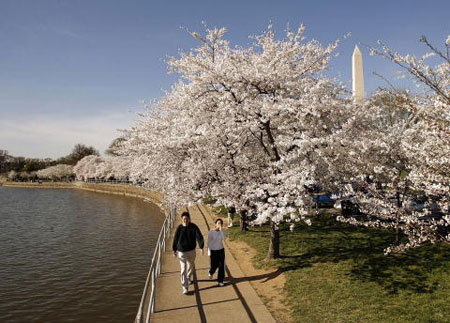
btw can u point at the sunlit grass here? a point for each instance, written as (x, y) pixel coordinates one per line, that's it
(338, 273)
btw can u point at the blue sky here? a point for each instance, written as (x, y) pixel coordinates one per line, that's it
(77, 70)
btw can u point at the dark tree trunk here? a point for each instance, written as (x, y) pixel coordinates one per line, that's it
(243, 222)
(274, 246)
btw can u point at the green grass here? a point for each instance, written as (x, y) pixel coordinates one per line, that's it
(220, 210)
(338, 273)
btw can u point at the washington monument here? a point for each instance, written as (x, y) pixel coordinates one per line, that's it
(357, 76)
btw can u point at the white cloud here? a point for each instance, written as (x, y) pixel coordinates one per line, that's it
(55, 136)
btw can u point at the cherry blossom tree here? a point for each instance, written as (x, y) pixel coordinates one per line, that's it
(251, 127)
(97, 167)
(57, 172)
(402, 140)
(12, 175)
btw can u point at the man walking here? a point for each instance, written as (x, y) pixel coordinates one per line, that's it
(186, 237)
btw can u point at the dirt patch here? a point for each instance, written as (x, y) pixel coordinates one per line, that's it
(268, 283)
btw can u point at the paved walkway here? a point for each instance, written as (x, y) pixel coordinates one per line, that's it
(237, 301)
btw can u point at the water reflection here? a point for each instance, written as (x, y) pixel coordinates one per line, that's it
(73, 256)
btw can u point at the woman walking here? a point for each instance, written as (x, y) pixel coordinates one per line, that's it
(216, 252)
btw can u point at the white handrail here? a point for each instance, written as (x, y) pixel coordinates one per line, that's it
(148, 295)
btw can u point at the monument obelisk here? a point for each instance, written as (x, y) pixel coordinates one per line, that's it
(357, 76)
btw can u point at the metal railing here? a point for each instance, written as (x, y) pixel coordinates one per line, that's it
(112, 181)
(147, 305)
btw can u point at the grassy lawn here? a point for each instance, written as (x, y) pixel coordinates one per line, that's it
(338, 273)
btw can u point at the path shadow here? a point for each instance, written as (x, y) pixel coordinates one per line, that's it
(263, 277)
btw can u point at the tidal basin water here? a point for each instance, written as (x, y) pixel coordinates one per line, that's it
(72, 255)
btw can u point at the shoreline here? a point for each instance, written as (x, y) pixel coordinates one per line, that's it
(117, 189)
(37, 185)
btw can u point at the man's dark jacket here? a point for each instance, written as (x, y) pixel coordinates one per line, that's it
(185, 238)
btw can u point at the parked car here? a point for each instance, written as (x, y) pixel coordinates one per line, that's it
(323, 200)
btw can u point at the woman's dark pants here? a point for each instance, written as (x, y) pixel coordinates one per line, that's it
(217, 260)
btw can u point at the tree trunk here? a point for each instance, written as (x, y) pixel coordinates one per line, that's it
(399, 205)
(274, 246)
(243, 223)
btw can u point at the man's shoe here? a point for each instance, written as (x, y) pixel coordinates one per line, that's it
(210, 276)
(185, 291)
(220, 284)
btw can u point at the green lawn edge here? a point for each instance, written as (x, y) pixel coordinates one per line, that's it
(338, 273)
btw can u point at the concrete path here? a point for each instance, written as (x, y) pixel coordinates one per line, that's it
(237, 301)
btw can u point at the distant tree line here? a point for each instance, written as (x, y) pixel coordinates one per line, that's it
(26, 168)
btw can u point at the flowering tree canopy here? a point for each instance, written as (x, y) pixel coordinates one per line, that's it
(251, 127)
(57, 172)
(401, 142)
(103, 168)
(256, 127)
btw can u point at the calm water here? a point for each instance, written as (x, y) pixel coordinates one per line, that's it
(72, 255)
